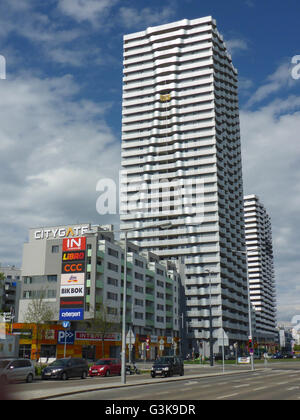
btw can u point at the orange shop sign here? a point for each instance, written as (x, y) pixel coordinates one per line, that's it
(86, 336)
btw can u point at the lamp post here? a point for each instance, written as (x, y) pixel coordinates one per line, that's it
(249, 304)
(211, 343)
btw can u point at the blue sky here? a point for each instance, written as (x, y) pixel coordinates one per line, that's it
(60, 111)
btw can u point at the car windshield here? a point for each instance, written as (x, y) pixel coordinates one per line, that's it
(103, 362)
(164, 360)
(59, 362)
(4, 363)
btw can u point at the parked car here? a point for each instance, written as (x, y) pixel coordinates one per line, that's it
(167, 366)
(105, 367)
(66, 368)
(15, 370)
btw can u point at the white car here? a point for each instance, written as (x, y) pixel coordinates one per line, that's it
(15, 370)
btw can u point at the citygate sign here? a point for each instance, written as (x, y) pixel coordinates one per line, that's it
(61, 232)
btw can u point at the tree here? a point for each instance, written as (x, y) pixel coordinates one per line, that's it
(39, 312)
(105, 321)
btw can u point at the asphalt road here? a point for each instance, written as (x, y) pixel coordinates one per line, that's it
(278, 381)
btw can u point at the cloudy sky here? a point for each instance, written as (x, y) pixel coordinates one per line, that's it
(60, 112)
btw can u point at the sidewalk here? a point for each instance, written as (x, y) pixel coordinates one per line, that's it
(70, 388)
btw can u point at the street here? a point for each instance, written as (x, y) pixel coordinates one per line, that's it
(278, 381)
(263, 385)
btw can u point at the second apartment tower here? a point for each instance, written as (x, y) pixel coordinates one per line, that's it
(181, 167)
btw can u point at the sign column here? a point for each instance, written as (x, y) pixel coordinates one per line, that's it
(72, 279)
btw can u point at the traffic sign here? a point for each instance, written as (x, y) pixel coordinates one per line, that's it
(130, 337)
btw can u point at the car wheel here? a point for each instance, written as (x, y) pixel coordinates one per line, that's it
(107, 373)
(153, 375)
(84, 374)
(182, 373)
(64, 376)
(29, 378)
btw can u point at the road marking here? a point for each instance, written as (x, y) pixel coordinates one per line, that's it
(191, 383)
(292, 388)
(226, 396)
(281, 383)
(240, 386)
(258, 389)
(205, 386)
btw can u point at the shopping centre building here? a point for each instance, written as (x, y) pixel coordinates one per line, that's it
(78, 273)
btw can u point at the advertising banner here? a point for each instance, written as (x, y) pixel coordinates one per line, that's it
(71, 291)
(73, 267)
(82, 335)
(74, 244)
(72, 279)
(73, 256)
(75, 314)
(71, 302)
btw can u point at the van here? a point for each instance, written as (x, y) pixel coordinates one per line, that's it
(15, 370)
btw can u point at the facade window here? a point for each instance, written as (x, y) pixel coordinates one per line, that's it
(138, 289)
(112, 267)
(138, 276)
(55, 249)
(139, 302)
(112, 296)
(52, 278)
(113, 253)
(112, 282)
(139, 263)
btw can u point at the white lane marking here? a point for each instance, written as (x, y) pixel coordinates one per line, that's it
(226, 396)
(261, 387)
(292, 388)
(241, 386)
(282, 383)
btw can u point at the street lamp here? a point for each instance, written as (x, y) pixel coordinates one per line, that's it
(211, 343)
(249, 302)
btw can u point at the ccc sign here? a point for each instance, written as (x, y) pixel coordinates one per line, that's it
(69, 267)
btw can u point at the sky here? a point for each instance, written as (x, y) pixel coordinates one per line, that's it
(60, 112)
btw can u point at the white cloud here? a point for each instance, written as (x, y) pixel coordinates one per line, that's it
(236, 45)
(280, 79)
(147, 16)
(53, 150)
(271, 167)
(92, 11)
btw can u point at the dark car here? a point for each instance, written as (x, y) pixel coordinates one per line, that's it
(167, 366)
(66, 368)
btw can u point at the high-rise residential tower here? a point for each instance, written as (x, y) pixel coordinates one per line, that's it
(258, 230)
(181, 166)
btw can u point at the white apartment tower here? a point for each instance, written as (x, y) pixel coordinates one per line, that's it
(258, 230)
(181, 166)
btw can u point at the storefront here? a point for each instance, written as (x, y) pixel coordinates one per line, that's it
(52, 341)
